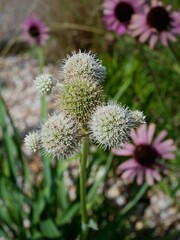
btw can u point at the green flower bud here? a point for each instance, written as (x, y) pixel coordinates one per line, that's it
(79, 98)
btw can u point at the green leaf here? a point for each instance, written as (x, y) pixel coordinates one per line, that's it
(67, 215)
(49, 229)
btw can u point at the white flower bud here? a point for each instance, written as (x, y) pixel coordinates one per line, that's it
(61, 135)
(44, 83)
(82, 64)
(111, 125)
(32, 141)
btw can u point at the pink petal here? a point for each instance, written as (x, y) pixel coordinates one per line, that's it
(149, 177)
(134, 137)
(171, 37)
(121, 29)
(129, 164)
(126, 174)
(165, 146)
(164, 38)
(142, 134)
(169, 156)
(131, 178)
(127, 150)
(153, 41)
(156, 176)
(140, 176)
(160, 137)
(145, 36)
(150, 132)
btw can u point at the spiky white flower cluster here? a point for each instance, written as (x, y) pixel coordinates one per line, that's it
(32, 141)
(82, 110)
(111, 125)
(44, 83)
(80, 98)
(82, 64)
(61, 135)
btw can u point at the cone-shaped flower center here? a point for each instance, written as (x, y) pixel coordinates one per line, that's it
(123, 12)
(145, 154)
(158, 18)
(34, 31)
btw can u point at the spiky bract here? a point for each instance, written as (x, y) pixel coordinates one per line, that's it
(111, 125)
(32, 141)
(44, 83)
(80, 98)
(61, 135)
(82, 64)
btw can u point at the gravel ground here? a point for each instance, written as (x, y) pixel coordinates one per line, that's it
(16, 76)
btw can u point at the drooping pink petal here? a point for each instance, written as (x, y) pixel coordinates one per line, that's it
(143, 38)
(126, 150)
(153, 41)
(128, 164)
(126, 174)
(133, 175)
(156, 176)
(140, 176)
(164, 38)
(149, 177)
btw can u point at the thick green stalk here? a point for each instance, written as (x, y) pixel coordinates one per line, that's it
(83, 162)
(43, 108)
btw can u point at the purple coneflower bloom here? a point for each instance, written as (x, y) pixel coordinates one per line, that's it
(118, 13)
(145, 153)
(35, 31)
(157, 21)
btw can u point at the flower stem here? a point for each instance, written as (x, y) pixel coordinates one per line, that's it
(43, 108)
(83, 210)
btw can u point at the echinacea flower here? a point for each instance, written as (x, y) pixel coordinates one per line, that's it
(145, 155)
(156, 22)
(118, 13)
(35, 31)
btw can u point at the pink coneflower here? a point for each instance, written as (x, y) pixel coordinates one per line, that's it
(35, 31)
(156, 22)
(145, 153)
(118, 13)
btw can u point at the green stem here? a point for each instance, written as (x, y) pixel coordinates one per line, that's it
(43, 108)
(83, 162)
(138, 196)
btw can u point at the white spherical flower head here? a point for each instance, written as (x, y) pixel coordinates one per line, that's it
(80, 98)
(44, 83)
(61, 135)
(82, 64)
(32, 141)
(109, 126)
